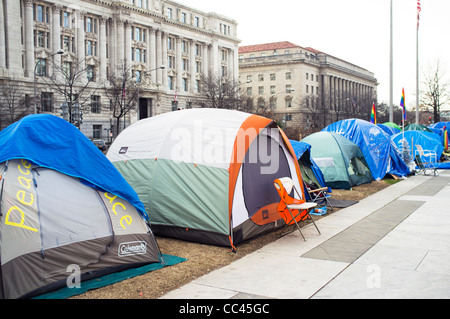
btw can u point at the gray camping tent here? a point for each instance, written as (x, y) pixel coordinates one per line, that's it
(58, 228)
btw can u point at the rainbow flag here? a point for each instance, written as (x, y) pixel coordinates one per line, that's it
(402, 104)
(373, 116)
(445, 138)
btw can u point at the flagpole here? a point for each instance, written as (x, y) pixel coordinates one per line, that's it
(391, 67)
(417, 64)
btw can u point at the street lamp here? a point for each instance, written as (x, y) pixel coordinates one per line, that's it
(60, 51)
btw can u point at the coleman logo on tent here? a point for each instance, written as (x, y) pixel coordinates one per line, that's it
(123, 150)
(132, 248)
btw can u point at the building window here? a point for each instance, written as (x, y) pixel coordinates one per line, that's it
(185, 84)
(198, 67)
(170, 82)
(41, 13)
(288, 117)
(224, 55)
(249, 91)
(91, 48)
(169, 13)
(198, 50)
(137, 76)
(183, 17)
(65, 19)
(169, 43)
(272, 89)
(185, 64)
(41, 69)
(95, 104)
(197, 86)
(288, 75)
(90, 25)
(261, 77)
(288, 89)
(67, 69)
(261, 90)
(289, 103)
(47, 102)
(170, 62)
(249, 78)
(90, 72)
(273, 77)
(96, 131)
(197, 21)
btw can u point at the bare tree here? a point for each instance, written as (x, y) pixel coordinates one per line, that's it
(71, 80)
(123, 92)
(436, 93)
(13, 104)
(221, 93)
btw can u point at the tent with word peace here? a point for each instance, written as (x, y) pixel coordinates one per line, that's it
(67, 215)
(206, 175)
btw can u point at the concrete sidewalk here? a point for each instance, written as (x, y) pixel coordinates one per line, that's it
(393, 244)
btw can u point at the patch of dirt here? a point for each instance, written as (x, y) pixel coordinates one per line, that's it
(202, 259)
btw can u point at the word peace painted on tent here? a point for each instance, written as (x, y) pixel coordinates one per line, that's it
(213, 146)
(16, 216)
(119, 210)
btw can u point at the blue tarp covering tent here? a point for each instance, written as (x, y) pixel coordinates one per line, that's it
(381, 155)
(303, 151)
(51, 142)
(388, 129)
(430, 142)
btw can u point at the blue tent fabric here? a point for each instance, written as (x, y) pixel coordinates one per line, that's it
(51, 142)
(388, 129)
(300, 148)
(378, 150)
(428, 141)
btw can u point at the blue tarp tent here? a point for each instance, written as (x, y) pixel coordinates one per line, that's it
(430, 142)
(51, 142)
(388, 129)
(303, 151)
(381, 155)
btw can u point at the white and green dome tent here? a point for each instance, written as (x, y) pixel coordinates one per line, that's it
(206, 175)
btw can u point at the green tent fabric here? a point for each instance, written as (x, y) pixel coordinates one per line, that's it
(340, 160)
(110, 279)
(417, 127)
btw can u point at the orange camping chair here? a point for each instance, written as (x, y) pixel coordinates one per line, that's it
(292, 210)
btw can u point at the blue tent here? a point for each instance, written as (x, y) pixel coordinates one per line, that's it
(428, 141)
(388, 129)
(51, 142)
(303, 149)
(381, 155)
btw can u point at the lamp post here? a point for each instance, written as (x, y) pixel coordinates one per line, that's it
(60, 51)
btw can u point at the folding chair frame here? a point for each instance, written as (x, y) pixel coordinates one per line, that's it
(423, 167)
(315, 195)
(300, 210)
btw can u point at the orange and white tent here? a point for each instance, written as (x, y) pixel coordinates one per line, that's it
(206, 175)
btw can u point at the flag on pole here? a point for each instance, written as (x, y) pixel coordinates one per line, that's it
(419, 8)
(373, 116)
(445, 138)
(402, 104)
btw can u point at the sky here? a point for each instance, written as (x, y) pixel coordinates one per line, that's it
(357, 31)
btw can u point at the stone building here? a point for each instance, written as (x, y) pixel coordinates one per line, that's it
(167, 46)
(303, 87)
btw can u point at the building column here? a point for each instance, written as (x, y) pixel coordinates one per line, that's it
(102, 49)
(151, 49)
(164, 58)
(80, 36)
(127, 42)
(159, 61)
(56, 34)
(215, 59)
(120, 37)
(29, 43)
(178, 64)
(205, 61)
(192, 66)
(2, 37)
